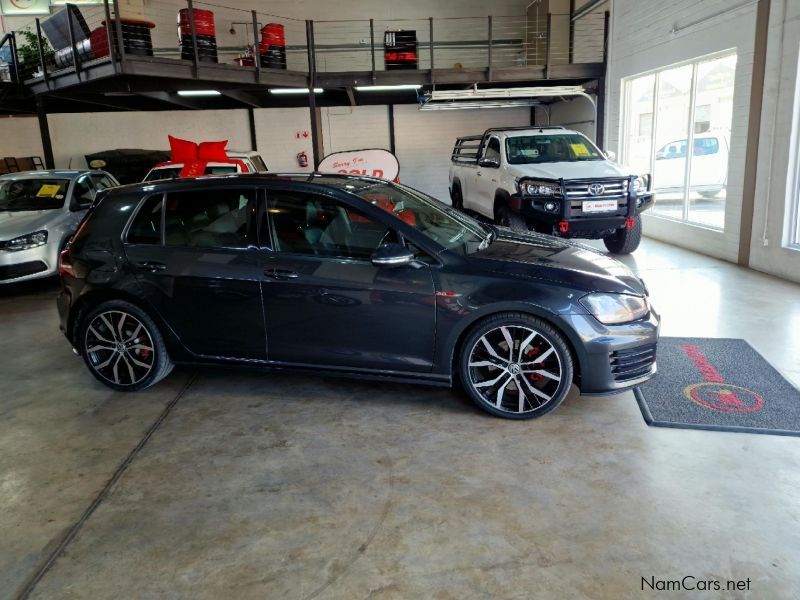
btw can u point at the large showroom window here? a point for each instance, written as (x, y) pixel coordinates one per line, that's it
(677, 126)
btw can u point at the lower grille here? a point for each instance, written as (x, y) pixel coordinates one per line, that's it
(21, 269)
(632, 364)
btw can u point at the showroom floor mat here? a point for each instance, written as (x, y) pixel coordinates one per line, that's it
(718, 384)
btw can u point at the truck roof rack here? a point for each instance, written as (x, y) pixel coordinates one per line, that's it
(523, 128)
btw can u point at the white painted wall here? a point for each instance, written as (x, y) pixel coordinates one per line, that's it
(640, 41)
(19, 136)
(355, 128)
(779, 146)
(75, 135)
(276, 133)
(425, 141)
(575, 113)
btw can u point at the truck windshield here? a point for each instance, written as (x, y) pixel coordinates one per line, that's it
(32, 194)
(559, 147)
(447, 227)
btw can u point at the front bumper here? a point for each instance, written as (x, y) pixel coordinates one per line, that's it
(613, 358)
(26, 264)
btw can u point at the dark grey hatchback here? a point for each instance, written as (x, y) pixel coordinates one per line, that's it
(347, 275)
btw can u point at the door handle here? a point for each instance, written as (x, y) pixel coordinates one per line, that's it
(152, 266)
(281, 274)
(479, 174)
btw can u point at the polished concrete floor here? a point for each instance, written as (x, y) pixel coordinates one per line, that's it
(261, 485)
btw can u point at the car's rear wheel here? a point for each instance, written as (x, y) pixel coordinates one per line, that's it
(508, 218)
(122, 347)
(516, 366)
(625, 241)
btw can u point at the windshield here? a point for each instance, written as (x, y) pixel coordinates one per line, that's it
(447, 227)
(174, 172)
(33, 194)
(557, 147)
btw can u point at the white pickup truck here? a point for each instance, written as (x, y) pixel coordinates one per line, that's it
(551, 180)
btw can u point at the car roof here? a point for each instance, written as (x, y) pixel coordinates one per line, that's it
(347, 183)
(59, 173)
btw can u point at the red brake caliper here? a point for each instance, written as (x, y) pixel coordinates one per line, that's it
(531, 353)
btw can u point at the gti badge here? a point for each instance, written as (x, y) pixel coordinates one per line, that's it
(596, 189)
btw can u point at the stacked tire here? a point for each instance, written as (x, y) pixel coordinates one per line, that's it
(205, 34)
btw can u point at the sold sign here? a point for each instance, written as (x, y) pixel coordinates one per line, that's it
(374, 163)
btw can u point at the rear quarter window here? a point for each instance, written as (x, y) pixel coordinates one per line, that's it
(146, 225)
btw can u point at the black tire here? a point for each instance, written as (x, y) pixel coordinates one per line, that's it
(625, 241)
(508, 218)
(125, 335)
(456, 198)
(508, 402)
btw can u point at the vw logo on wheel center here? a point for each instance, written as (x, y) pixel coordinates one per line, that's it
(595, 189)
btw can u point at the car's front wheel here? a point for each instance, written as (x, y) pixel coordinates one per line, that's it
(508, 218)
(625, 241)
(516, 366)
(122, 347)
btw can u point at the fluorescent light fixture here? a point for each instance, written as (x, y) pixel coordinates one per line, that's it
(294, 91)
(189, 93)
(387, 88)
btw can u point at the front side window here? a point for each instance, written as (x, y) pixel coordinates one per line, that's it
(83, 193)
(548, 148)
(38, 193)
(448, 228)
(320, 226)
(209, 218)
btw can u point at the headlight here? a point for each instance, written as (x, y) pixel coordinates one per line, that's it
(641, 183)
(613, 309)
(540, 188)
(26, 242)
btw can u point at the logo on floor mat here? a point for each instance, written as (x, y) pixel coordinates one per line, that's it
(715, 392)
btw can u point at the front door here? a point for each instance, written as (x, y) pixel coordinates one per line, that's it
(325, 303)
(202, 275)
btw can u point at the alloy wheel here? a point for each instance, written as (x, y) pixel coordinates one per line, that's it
(515, 369)
(119, 347)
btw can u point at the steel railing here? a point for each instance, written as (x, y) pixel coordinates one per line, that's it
(324, 46)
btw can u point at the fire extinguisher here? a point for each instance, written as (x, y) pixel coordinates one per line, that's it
(302, 159)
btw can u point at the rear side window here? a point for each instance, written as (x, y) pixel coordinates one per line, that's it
(209, 218)
(259, 163)
(146, 226)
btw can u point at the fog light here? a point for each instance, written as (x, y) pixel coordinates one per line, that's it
(551, 206)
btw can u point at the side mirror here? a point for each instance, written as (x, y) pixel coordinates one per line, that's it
(611, 155)
(491, 163)
(392, 255)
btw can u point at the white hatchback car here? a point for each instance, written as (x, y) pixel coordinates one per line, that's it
(250, 160)
(39, 212)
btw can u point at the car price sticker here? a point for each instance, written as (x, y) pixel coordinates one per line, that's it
(580, 150)
(48, 190)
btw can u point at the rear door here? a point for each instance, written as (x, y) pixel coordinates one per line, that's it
(196, 260)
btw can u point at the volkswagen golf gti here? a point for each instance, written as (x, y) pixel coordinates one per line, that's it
(352, 276)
